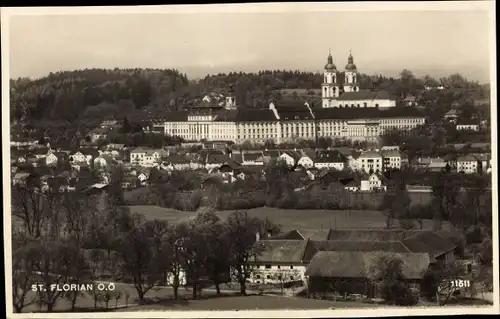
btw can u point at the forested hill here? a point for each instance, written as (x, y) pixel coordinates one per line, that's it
(70, 95)
(79, 99)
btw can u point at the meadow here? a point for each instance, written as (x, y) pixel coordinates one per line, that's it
(288, 219)
(251, 302)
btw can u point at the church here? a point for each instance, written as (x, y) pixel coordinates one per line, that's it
(346, 112)
(345, 92)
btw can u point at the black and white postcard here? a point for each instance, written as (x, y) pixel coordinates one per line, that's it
(250, 160)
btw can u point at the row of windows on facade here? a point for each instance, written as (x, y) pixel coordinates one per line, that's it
(269, 277)
(305, 122)
(143, 155)
(346, 79)
(396, 159)
(269, 267)
(249, 134)
(334, 89)
(296, 129)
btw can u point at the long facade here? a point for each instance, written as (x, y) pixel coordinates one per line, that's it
(346, 113)
(257, 126)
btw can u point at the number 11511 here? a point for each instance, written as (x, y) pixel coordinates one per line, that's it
(460, 283)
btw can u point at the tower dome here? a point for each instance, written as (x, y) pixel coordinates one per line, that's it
(329, 64)
(350, 63)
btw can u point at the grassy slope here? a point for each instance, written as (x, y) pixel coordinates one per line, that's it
(287, 218)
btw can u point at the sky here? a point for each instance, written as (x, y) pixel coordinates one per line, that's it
(437, 43)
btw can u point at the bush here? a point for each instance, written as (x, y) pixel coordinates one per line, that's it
(421, 212)
(473, 235)
(486, 255)
(407, 224)
(398, 293)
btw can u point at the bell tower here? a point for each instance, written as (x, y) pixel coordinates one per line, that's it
(351, 83)
(329, 88)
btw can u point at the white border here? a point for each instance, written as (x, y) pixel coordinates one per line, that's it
(247, 8)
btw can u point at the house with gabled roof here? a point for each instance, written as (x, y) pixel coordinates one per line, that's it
(370, 161)
(80, 157)
(439, 248)
(471, 126)
(176, 162)
(279, 261)
(252, 158)
(215, 160)
(305, 160)
(473, 163)
(391, 159)
(320, 252)
(147, 157)
(98, 134)
(451, 115)
(373, 183)
(272, 154)
(50, 159)
(290, 157)
(353, 269)
(228, 168)
(20, 178)
(330, 159)
(410, 100)
(352, 186)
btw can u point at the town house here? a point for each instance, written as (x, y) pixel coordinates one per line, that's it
(252, 158)
(391, 159)
(370, 162)
(279, 261)
(79, 157)
(330, 159)
(147, 157)
(290, 157)
(215, 161)
(176, 162)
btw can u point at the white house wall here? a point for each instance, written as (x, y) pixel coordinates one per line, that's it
(271, 275)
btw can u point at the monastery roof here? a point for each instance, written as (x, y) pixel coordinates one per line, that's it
(365, 113)
(226, 115)
(176, 116)
(290, 111)
(364, 95)
(245, 115)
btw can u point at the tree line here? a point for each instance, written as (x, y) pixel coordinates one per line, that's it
(61, 238)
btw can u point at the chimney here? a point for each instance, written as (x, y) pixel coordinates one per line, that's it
(257, 236)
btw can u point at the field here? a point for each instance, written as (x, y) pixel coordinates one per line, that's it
(417, 198)
(287, 218)
(159, 299)
(291, 218)
(249, 303)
